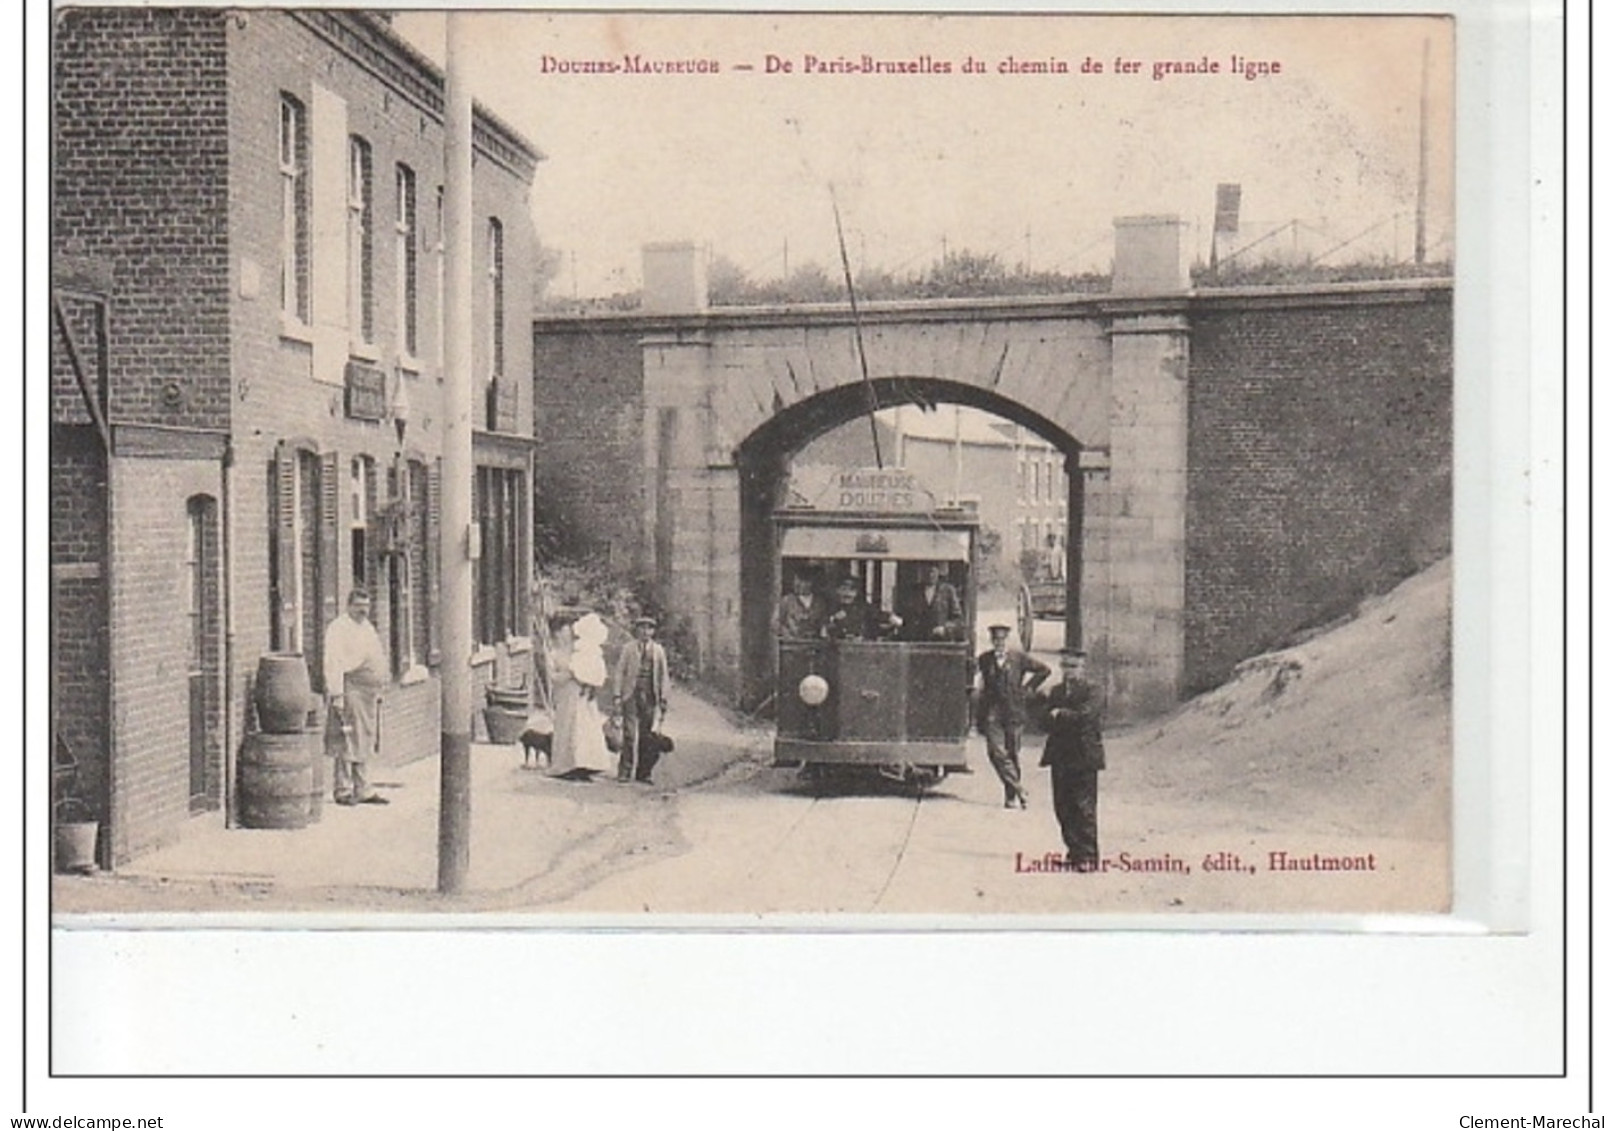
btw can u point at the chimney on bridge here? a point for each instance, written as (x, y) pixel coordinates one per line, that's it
(675, 278)
(1152, 255)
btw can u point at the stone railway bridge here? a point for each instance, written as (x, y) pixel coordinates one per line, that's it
(1243, 463)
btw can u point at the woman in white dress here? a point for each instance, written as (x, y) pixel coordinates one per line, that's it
(578, 668)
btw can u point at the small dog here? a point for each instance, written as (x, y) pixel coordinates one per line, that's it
(536, 749)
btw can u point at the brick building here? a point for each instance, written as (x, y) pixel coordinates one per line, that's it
(247, 385)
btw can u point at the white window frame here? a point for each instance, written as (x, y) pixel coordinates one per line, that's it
(361, 194)
(406, 265)
(293, 124)
(439, 313)
(496, 298)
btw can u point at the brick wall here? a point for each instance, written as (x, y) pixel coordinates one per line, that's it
(78, 531)
(139, 165)
(1320, 437)
(151, 647)
(589, 418)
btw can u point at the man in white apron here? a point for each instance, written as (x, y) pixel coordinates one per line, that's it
(355, 674)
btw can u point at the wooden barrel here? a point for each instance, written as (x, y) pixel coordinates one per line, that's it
(282, 693)
(507, 698)
(505, 726)
(276, 783)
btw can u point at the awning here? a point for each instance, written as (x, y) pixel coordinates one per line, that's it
(904, 545)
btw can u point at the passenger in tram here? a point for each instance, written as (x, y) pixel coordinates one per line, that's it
(933, 610)
(801, 613)
(854, 618)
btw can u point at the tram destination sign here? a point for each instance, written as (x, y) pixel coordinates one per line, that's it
(890, 490)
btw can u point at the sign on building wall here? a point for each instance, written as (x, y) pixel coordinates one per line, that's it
(365, 392)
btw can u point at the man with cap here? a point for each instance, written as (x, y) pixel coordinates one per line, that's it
(641, 697)
(1074, 754)
(1004, 679)
(854, 618)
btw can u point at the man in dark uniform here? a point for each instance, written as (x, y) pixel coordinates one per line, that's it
(1003, 681)
(1074, 754)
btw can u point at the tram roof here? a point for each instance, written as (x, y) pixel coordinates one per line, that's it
(885, 542)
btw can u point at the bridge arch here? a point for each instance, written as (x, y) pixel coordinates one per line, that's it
(764, 458)
(729, 397)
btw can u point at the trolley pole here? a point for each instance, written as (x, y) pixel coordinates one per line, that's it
(457, 542)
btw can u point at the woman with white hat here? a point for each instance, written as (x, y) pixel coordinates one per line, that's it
(578, 667)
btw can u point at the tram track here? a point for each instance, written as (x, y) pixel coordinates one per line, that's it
(842, 843)
(902, 850)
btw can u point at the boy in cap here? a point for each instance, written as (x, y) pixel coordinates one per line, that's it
(641, 696)
(1004, 678)
(1074, 754)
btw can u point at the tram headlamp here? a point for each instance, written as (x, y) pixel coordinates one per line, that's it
(813, 690)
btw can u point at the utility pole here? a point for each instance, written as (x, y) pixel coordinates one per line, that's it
(455, 532)
(1424, 156)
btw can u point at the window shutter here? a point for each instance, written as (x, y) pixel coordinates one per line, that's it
(330, 571)
(284, 504)
(434, 563)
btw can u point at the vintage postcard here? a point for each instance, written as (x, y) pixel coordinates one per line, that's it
(630, 466)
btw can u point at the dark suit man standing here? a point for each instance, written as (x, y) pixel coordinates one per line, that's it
(1074, 754)
(641, 690)
(1003, 681)
(934, 611)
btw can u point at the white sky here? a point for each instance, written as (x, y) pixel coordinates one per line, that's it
(1018, 165)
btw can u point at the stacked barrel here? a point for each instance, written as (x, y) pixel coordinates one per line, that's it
(279, 783)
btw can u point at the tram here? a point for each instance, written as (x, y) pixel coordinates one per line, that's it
(876, 682)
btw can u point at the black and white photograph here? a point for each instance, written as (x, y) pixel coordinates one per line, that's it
(835, 504)
(657, 470)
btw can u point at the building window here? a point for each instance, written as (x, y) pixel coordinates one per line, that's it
(293, 209)
(404, 237)
(304, 492)
(360, 487)
(409, 594)
(499, 597)
(361, 276)
(421, 591)
(203, 666)
(496, 300)
(495, 416)
(438, 248)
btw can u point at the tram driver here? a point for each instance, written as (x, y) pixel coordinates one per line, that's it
(854, 618)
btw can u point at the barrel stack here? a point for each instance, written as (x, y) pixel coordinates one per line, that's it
(279, 784)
